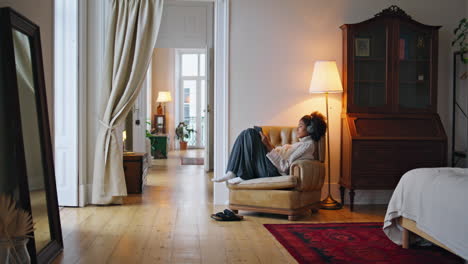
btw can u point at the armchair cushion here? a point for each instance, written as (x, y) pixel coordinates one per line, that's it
(268, 183)
(306, 175)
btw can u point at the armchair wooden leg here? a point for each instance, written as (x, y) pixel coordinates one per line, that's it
(292, 217)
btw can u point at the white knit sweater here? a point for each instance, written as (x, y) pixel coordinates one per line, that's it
(282, 157)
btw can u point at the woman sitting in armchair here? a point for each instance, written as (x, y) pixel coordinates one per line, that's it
(253, 155)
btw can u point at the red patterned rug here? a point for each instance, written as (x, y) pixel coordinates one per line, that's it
(192, 161)
(356, 243)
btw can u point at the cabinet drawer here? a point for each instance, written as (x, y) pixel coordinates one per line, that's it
(381, 164)
(135, 167)
(132, 172)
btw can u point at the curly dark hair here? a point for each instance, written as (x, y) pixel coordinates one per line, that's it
(316, 125)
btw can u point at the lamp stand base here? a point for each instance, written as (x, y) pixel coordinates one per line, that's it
(330, 204)
(159, 109)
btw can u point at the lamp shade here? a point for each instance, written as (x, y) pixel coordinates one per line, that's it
(164, 97)
(325, 78)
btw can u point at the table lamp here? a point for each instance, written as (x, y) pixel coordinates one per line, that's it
(163, 97)
(326, 79)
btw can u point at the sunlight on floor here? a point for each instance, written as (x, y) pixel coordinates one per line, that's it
(180, 184)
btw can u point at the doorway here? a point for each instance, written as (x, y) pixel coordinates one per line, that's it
(85, 45)
(183, 67)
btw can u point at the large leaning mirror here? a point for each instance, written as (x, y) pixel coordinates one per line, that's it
(26, 166)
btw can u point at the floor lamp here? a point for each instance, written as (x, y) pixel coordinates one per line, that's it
(326, 79)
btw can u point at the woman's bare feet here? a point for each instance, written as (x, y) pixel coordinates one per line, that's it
(236, 180)
(229, 175)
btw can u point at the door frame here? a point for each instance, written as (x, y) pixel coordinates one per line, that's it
(221, 97)
(67, 91)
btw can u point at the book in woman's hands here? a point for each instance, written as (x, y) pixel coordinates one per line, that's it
(259, 129)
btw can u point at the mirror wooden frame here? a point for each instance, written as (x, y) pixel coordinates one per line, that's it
(9, 20)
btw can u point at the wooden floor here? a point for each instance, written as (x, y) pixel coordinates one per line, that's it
(170, 223)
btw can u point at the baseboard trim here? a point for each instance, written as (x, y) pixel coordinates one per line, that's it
(361, 196)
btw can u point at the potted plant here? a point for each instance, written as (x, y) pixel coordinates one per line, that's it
(182, 134)
(149, 136)
(461, 32)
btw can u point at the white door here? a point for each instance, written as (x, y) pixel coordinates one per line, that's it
(66, 102)
(208, 111)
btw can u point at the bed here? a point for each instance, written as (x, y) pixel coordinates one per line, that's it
(432, 203)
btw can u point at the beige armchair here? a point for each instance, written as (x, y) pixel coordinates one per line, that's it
(291, 195)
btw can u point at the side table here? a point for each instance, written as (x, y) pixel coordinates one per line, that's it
(135, 169)
(159, 146)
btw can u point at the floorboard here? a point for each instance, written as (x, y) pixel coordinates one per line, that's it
(170, 223)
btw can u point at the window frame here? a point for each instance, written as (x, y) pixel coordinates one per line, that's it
(180, 93)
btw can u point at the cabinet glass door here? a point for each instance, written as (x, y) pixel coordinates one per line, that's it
(370, 67)
(414, 60)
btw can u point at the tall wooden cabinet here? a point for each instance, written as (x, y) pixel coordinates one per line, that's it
(390, 123)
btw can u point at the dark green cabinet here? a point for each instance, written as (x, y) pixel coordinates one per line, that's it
(159, 146)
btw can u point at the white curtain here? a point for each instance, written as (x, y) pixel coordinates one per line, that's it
(131, 38)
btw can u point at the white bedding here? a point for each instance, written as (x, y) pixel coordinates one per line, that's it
(437, 200)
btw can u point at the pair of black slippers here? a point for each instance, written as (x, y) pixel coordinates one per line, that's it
(227, 215)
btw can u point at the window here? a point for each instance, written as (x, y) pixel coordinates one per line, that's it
(192, 81)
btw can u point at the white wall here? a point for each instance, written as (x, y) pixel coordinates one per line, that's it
(186, 24)
(163, 80)
(274, 44)
(41, 13)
